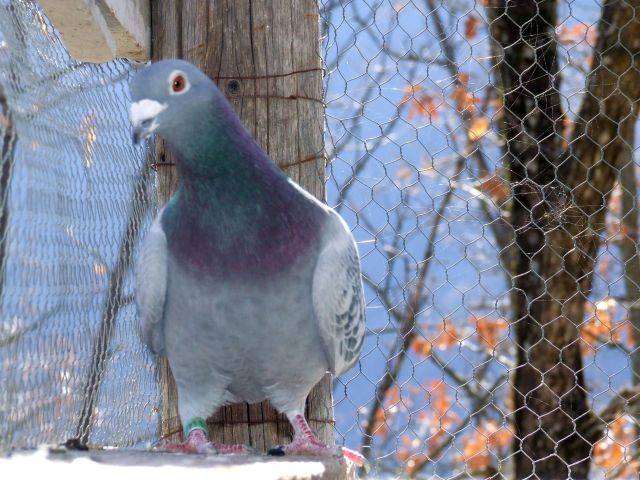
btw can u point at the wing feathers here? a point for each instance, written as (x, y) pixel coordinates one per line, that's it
(338, 300)
(151, 286)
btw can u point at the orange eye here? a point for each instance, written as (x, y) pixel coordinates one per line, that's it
(178, 84)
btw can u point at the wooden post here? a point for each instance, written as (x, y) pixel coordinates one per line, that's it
(264, 55)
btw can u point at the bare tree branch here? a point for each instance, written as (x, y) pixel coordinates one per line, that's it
(408, 321)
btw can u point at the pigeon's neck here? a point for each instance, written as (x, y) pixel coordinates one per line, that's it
(234, 210)
(227, 169)
(218, 150)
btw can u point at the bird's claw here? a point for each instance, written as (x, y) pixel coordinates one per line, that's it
(188, 448)
(235, 449)
(319, 449)
(356, 457)
(196, 443)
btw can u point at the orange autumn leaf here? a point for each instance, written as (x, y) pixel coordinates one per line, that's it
(567, 126)
(478, 127)
(604, 266)
(490, 331)
(500, 438)
(383, 414)
(440, 399)
(409, 92)
(380, 427)
(425, 106)
(447, 337)
(496, 187)
(477, 447)
(630, 335)
(421, 105)
(614, 449)
(572, 34)
(408, 452)
(405, 451)
(440, 417)
(393, 397)
(403, 454)
(471, 27)
(578, 33)
(601, 325)
(464, 100)
(421, 346)
(474, 452)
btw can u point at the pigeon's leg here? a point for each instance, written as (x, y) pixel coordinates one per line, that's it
(306, 443)
(195, 402)
(196, 430)
(197, 441)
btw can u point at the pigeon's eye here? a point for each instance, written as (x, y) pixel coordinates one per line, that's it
(178, 84)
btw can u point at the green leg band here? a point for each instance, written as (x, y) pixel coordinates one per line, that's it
(194, 424)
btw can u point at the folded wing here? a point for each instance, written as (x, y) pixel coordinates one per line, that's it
(151, 286)
(338, 298)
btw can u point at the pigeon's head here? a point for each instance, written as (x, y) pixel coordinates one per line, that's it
(167, 98)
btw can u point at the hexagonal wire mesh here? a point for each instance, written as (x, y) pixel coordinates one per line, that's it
(483, 154)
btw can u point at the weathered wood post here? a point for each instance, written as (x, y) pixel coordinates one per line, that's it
(264, 55)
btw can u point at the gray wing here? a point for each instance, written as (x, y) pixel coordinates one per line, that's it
(151, 286)
(338, 298)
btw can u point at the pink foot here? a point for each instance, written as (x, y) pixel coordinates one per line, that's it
(196, 443)
(235, 449)
(315, 448)
(355, 457)
(306, 443)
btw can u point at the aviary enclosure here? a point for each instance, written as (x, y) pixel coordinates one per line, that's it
(484, 154)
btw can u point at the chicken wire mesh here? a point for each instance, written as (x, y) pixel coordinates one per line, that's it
(483, 153)
(73, 204)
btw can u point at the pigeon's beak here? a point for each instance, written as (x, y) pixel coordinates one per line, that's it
(144, 118)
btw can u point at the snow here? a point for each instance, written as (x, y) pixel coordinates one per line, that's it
(136, 464)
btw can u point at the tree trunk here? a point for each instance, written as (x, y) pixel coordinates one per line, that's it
(265, 57)
(557, 213)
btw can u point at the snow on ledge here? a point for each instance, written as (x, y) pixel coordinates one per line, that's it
(117, 464)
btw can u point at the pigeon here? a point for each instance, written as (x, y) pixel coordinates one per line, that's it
(249, 285)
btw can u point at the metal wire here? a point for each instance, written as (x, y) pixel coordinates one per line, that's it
(464, 139)
(483, 153)
(72, 212)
